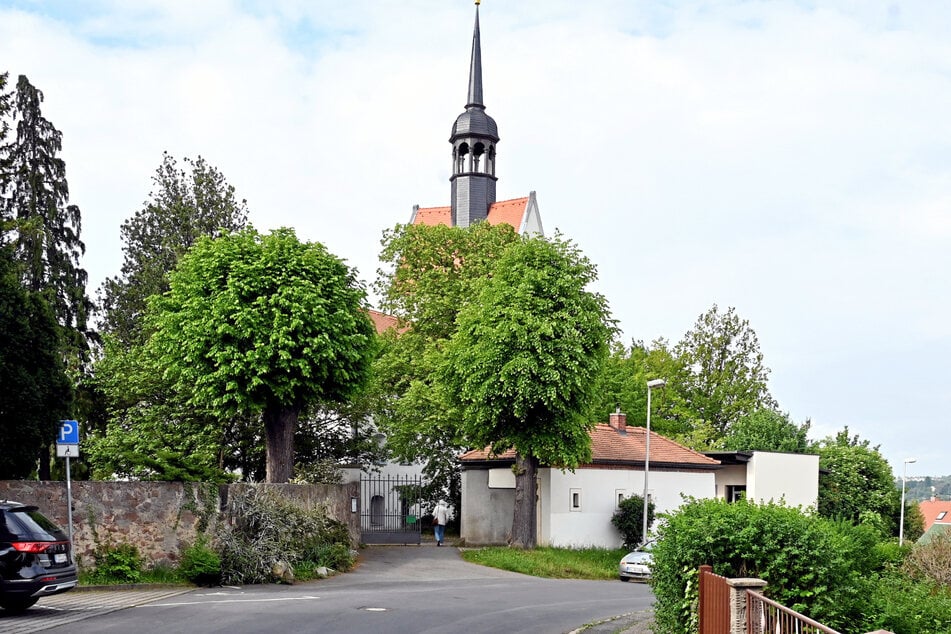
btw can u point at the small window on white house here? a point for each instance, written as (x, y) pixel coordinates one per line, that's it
(619, 495)
(574, 503)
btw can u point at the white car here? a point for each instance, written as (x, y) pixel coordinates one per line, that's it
(637, 564)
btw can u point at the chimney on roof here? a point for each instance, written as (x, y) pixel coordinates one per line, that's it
(618, 420)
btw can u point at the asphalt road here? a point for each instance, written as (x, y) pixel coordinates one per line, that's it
(396, 589)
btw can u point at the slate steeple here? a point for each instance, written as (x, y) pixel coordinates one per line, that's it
(474, 137)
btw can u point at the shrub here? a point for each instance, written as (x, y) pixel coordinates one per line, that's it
(116, 563)
(931, 561)
(629, 519)
(805, 560)
(200, 564)
(267, 529)
(895, 603)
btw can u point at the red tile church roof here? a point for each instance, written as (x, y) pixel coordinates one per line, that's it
(510, 212)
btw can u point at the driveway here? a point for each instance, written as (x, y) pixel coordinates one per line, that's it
(393, 589)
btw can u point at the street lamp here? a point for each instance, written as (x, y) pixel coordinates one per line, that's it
(901, 521)
(647, 451)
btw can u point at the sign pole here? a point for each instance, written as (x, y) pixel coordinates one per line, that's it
(66, 445)
(69, 503)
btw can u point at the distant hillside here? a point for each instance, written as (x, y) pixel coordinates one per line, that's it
(924, 487)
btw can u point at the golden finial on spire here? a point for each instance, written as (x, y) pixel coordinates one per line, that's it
(478, 2)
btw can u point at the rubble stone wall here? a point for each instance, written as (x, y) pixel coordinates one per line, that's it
(159, 518)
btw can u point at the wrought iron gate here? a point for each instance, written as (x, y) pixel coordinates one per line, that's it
(389, 512)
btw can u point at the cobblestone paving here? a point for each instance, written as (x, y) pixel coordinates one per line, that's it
(69, 607)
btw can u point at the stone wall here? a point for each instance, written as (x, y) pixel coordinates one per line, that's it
(159, 517)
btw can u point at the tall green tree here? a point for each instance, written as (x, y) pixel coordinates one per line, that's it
(523, 363)
(857, 483)
(36, 391)
(263, 323)
(41, 222)
(149, 429)
(37, 218)
(623, 384)
(4, 125)
(184, 205)
(727, 378)
(429, 275)
(767, 430)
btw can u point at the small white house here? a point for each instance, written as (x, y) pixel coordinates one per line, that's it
(575, 509)
(765, 476)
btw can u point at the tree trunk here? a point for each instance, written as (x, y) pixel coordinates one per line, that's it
(279, 424)
(524, 523)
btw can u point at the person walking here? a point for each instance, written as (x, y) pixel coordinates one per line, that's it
(440, 519)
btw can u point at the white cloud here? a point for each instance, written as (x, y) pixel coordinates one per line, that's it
(790, 161)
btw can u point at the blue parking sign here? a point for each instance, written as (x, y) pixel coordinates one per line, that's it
(68, 433)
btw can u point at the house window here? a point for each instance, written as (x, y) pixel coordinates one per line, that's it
(574, 500)
(735, 492)
(619, 495)
(941, 516)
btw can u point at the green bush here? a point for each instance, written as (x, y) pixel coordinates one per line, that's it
(629, 519)
(116, 563)
(200, 564)
(895, 603)
(805, 560)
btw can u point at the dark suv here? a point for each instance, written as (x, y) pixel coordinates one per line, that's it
(35, 557)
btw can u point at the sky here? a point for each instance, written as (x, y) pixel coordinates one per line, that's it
(789, 159)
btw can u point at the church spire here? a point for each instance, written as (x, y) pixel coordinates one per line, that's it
(474, 136)
(475, 67)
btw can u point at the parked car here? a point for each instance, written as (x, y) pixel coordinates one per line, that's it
(35, 557)
(637, 563)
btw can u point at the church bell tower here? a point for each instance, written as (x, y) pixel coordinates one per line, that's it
(474, 138)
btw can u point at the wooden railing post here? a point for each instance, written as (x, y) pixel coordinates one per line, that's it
(738, 588)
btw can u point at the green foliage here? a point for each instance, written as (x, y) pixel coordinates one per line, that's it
(524, 360)
(431, 274)
(728, 377)
(895, 603)
(629, 519)
(623, 384)
(152, 432)
(858, 479)
(549, 562)
(35, 390)
(263, 323)
(148, 429)
(116, 563)
(522, 365)
(810, 564)
(200, 564)
(767, 430)
(183, 206)
(43, 226)
(267, 528)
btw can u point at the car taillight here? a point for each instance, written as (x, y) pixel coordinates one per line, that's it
(30, 547)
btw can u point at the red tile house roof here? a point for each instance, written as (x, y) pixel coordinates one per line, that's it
(506, 211)
(932, 511)
(381, 321)
(617, 445)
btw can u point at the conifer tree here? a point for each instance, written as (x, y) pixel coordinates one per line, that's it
(39, 219)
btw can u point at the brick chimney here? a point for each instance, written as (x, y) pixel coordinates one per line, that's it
(618, 421)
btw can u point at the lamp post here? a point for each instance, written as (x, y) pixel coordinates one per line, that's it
(647, 449)
(901, 520)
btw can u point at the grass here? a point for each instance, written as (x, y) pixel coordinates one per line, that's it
(165, 575)
(553, 563)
